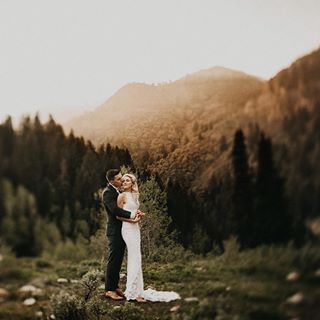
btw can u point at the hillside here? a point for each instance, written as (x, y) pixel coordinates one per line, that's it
(288, 109)
(292, 88)
(184, 129)
(174, 127)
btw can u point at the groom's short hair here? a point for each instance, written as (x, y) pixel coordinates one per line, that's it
(111, 173)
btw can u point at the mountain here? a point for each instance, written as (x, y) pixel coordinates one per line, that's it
(184, 129)
(175, 128)
(288, 110)
(292, 88)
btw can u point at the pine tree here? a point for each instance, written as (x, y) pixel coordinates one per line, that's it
(7, 145)
(242, 192)
(56, 177)
(271, 217)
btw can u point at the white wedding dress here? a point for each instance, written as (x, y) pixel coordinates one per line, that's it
(131, 235)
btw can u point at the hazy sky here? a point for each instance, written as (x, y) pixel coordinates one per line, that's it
(65, 56)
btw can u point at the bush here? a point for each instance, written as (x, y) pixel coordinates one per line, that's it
(67, 306)
(171, 252)
(68, 250)
(90, 282)
(231, 249)
(97, 308)
(127, 312)
(308, 257)
(43, 263)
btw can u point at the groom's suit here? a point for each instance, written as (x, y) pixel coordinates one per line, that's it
(116, 243)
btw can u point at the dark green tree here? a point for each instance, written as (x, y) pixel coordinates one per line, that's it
(272, 223)
(242, 198)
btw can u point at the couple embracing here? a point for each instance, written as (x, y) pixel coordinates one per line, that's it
(121, 201)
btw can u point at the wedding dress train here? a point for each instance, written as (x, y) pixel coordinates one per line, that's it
(135, 286)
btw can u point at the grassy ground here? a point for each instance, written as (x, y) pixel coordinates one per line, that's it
(246, 285)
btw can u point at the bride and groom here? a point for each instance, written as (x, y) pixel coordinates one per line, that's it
(123, 231)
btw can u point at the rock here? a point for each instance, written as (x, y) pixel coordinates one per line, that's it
(28, 291)
(295, 299)
(175, 308)
(199, 269)
(62, 280)
(74, 281)
(52, 317)
(39, 314)
(228, 288)
(317, 273)
(314, 226)
(29, 302)
(191, 299)
(122, 275)
(4, 293)
(293, 276)
(116, 307)
(28, 288)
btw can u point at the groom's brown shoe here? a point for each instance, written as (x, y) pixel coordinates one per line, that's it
(113, 295)
(119, 293)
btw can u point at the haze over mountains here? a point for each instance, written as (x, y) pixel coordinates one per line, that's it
(184, 129)
(185, 118)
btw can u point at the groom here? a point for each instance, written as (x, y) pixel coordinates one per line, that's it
(116, 243)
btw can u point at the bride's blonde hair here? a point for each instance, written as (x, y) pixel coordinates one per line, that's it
(135, 189)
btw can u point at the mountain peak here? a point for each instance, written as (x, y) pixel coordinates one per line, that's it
(215, 73)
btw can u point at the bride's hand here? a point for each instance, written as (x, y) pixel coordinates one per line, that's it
(140, 213)
(136, 219)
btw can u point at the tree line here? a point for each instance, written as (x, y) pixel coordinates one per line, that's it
(247, 201)
(49, 184)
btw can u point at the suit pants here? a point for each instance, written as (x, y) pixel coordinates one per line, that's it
(115, 257)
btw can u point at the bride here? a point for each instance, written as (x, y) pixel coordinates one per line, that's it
(129, 200)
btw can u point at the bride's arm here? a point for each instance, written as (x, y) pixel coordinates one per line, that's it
(120, 202)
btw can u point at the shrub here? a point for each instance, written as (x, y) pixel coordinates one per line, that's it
(97, 308)
(43, 263)
(90, 282)
(68, 250)
(127, 312)
(67, 306)
(308, 257)
(231, 249)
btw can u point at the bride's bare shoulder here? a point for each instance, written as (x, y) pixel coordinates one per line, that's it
(121, 198)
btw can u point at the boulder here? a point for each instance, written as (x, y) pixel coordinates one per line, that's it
(175, 308)
(74, 281)
(29, 302)
(62, 280)
(295, 299)
(4, 294)
(293, 276)
(317, 273)
(191, 299)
